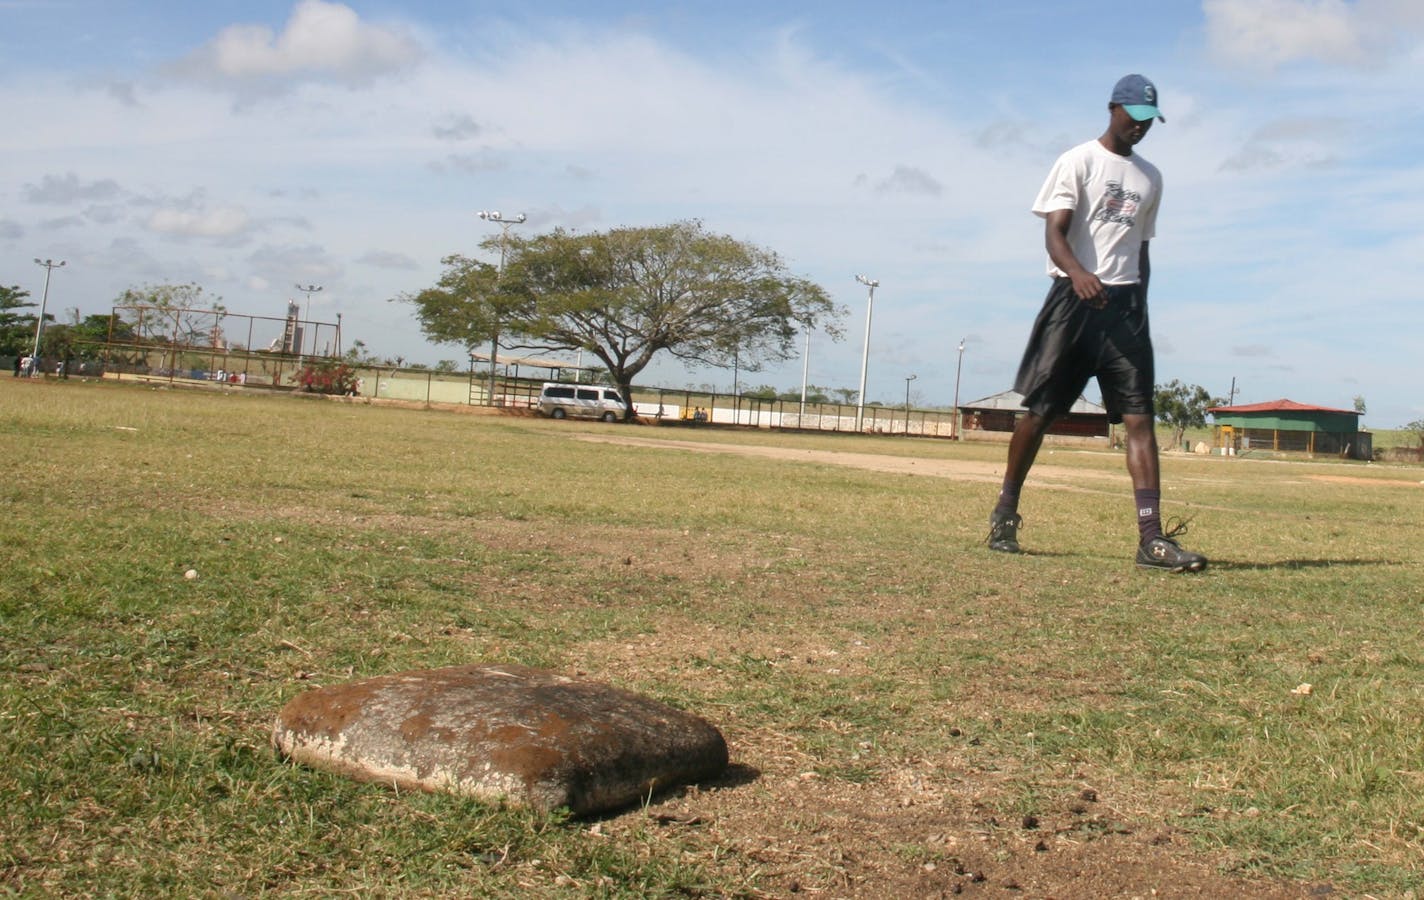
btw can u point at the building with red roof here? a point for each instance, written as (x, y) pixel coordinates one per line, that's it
(1286, 426)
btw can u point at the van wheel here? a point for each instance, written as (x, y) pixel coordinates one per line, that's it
(610, 417)
(558, 413)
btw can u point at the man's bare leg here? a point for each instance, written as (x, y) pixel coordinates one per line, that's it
(1004, 521)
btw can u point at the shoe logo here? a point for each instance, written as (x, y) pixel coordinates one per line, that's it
(1159, 551)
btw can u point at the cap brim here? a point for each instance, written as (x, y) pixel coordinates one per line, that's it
(1143, 113)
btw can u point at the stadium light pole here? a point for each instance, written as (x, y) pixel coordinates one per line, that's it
(805, 372)
(301, 348)
(865, 355)
(907, 403)
(959, 367)
(504, 225)
(49, 267)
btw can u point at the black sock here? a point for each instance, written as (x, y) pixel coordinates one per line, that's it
(1149, 514)
(1008, 500)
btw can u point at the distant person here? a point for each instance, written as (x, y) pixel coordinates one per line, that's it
(17, 367)
(1099, 206)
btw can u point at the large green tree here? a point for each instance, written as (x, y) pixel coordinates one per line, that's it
(17, 331)
(1417, 427)
(1182, 406)
(176, 314)
(85, 337)
(626, 296)
(173, 316)
(465, 306)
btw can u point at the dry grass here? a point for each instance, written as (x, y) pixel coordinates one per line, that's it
(900, 703)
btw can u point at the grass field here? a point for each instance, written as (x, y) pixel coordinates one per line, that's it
(892, 693)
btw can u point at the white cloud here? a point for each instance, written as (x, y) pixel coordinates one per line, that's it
(288, 262)
(1253, 157)
(456, 128)
(484, 161)
(386, 259)
(123, 92)
(62, 190)
(320, 40)
(1270, 33)
(910, 180)
(219, 222)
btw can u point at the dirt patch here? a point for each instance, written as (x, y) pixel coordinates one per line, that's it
(1373, 482)
(933, 826)
(907, 838)
(958, 469)
(922, 827)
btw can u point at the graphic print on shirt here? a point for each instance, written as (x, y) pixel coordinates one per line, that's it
(1120, 205)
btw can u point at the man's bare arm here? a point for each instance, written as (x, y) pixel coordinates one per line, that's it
(1055, 236)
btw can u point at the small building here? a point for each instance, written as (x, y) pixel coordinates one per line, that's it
(1286, 426)
(1000, 412)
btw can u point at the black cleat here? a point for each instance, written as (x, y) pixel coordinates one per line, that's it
(1165, 553)
(1004, 532)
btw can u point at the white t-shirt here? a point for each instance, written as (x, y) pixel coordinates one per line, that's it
(1114, 201)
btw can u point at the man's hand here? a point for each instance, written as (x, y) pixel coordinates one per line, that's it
(1089, 289)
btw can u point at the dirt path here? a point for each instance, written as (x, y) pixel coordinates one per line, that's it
(958, 469)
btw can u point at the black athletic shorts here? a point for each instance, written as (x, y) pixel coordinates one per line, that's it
(1072, 342)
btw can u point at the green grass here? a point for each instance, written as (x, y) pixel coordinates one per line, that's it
(853, 613)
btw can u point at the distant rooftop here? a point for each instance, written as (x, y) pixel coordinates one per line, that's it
(1281, 405)
(1013, 400)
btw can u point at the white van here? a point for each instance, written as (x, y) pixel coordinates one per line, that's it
(588, 401)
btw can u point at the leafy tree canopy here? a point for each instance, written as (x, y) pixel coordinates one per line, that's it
(627, 295)
(1182, 406)
(13, 298)
(98, 329)
(1417, 426)
(464, 307)
(171, 313)
(17, 331)
(760, 392)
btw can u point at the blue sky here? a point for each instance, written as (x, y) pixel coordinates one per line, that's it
(251, 146)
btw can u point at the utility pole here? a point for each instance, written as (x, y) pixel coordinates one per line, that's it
(805, 372)
(49, 266)
(907, 403)
(504, 226)
(302, 343)
(865, 355)
(959, 367)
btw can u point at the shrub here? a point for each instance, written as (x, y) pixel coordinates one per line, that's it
(326, 378)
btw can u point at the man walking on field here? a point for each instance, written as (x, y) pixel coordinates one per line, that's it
(1099, 206)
